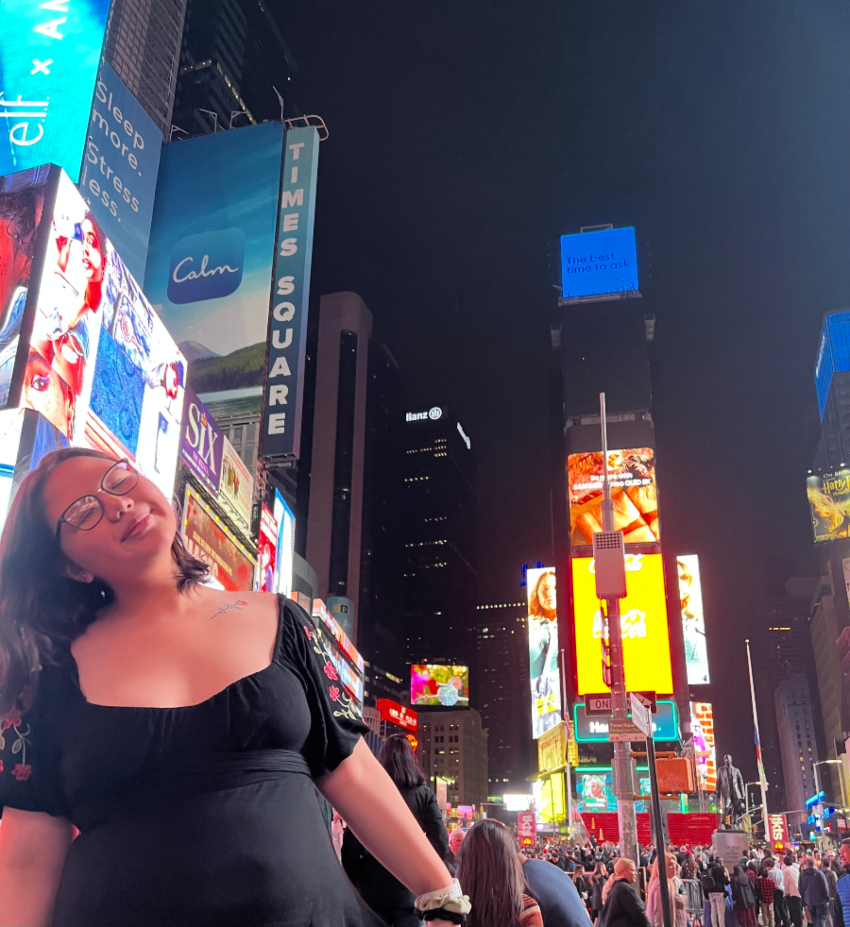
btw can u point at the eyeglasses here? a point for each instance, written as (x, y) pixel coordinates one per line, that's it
(87, 511)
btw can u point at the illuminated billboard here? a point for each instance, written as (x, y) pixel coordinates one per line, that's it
(212, 248)
(267, 551)
(236, 493)
(90, 355)
(833, 354)
(285, 519)
(49, 57)
(435, 684)
(543, 668)
(202, 444)
(693, 619)
(22, 208)
(11, 424)
(602, 263)
(829, 505)
(231, 566)
(631, 475)
(705, 757)
(643, 619)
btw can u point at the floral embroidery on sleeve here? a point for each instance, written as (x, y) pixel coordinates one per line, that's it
(13, 727)
(344, 704)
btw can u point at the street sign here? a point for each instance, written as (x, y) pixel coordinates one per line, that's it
(641, 715)
(623, 729)
(602, 704)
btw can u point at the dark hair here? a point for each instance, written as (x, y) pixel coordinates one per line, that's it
(398, 760)
(19, 209)
(491, 874)
(41, 608)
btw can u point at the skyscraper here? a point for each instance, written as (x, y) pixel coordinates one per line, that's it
(235, 67)
(439, 537)
(143, 47)
(797, 742)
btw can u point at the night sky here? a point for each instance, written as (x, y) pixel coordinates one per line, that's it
(465, 136)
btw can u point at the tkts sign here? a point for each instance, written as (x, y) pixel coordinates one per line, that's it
(778, 830)
(526, 829)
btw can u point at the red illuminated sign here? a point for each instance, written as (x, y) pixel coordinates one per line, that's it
(413, 740)
(398, 714)
(778, 830)
(526, 826)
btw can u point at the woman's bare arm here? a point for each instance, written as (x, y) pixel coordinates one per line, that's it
(33, 846)
(360, 789)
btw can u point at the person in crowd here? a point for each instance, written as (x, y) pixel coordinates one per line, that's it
(841, 911)
(832, 879)
(714, 885)
(556, 859)
(814, 890)
(688, 869)
(378, 887)
(455, 840)
(780, 915)
(556, 894)
(193, 724)
(623, 907)
(743, 898)
(490, 869)
(793, 901)
(597, 884)
(678, 904)
(581, 883)
(766, 889)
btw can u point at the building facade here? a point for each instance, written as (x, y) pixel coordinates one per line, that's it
(502, 694)
(453, 746)
(439, 537)
(143, 40)
(798, 745)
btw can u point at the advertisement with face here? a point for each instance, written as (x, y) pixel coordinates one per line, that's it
(434, 684)
(209, 540)
(693, 619)
(266, 551)
(705, 757)
(236, 491)
(643, 618)
(631, 474)
(49, 56)
(118, 177)
(22, 208)
(829, 505)
(212, 248)
(543, 650)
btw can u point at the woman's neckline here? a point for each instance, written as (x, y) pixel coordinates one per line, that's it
(206, 701)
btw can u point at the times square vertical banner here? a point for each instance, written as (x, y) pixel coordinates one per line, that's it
(288, 321)
(49, 57)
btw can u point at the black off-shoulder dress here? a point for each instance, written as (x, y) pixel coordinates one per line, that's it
(198, 816)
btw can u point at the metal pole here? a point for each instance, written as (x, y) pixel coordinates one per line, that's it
(623, 779)
(661, 849)
(756, 722)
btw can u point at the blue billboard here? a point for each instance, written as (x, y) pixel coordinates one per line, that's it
(49, 56)
(833, 353)
(211, 255)
(288, 323)
(118, 177)
(600, 263)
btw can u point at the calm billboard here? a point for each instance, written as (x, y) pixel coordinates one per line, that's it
(49, 56)
(212, 249)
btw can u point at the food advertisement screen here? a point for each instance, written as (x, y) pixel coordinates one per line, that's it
(705, 757)
(543, 667)
(829, 505)
(643, 618)
(100, 366)
(208, 539)
(631, 474)
(693, 619)
(435, 684)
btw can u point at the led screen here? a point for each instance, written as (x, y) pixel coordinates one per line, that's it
(207, 538)
(22, 207)
(646, 641)
(267, 551)
(550, 800)
(595, 791)
(49, 57)
(202, 443)
(833, 354)
(599, 263)
(705, 758)
(100, 366)
(631, 475)
(829, 505)
(236, 492)
(541, 594)
(285, 519)
(693, 619)
(11, 423)
(435, 684)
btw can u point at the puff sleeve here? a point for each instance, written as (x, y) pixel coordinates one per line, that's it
(335, 722)
(30, 778)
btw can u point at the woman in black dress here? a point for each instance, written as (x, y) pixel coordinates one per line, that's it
(179, 728)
